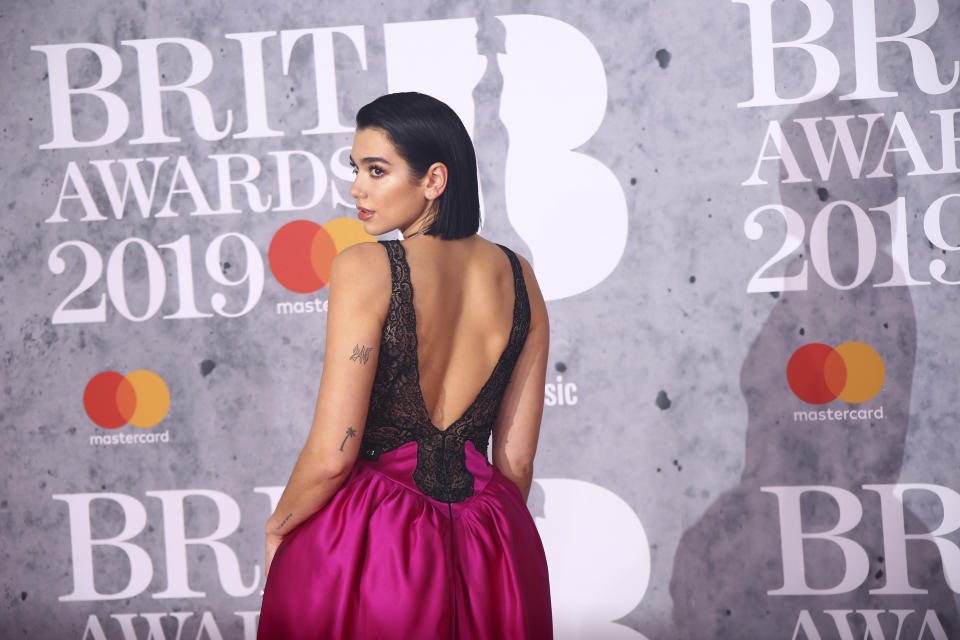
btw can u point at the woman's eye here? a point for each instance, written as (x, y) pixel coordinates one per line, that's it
(354, 170)
(376, 171)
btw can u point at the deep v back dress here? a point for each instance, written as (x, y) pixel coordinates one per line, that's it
(425, 539)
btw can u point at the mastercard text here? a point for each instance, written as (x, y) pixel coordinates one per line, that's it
(148, 437)
(302, 306)
(825, 415)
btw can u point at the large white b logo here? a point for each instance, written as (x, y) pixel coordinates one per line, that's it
(568, 207)
(598, 558)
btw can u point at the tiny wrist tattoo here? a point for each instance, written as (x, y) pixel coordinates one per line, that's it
(361, 353)
(350, 434)
(280, 526)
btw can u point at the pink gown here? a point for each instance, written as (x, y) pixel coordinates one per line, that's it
(425, 539)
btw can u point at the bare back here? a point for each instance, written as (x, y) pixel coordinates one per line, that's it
(463, 299)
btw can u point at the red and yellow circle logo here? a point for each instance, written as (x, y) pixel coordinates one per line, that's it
(140, 398)
(852, 372)
(301, 252)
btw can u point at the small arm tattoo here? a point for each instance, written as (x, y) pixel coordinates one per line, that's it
(350, 434)
(361, 353)
(280, 526)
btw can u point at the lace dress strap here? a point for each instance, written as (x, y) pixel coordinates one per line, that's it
(521, 303)
(400, 325)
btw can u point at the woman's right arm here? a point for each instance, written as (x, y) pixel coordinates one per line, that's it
(359, 294)
(517, 428)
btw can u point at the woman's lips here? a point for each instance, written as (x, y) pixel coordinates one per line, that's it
(364, 214)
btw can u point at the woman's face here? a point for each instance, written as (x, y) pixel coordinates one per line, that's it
(387, 196)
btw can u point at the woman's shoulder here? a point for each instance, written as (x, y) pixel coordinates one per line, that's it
(363, 256)
(534, 295)
(531, 285)
(526, 268)
(363, 268)
(494, 249)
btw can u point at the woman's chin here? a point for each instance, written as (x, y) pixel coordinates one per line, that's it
(370, 227)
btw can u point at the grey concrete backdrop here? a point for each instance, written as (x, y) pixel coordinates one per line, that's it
(683, 408)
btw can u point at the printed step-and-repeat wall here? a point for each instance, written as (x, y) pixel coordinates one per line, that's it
(745, 216)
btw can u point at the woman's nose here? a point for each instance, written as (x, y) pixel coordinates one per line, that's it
(354, 190)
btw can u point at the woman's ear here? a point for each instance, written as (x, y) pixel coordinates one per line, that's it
(436, 180)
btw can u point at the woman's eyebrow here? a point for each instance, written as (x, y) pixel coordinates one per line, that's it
(370, 160)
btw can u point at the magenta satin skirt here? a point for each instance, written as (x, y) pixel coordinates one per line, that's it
(382, 560)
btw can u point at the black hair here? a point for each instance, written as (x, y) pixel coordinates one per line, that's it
(425, 130)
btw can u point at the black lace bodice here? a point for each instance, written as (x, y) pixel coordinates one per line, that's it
(398, 414)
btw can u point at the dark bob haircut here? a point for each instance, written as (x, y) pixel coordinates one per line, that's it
(425, 130)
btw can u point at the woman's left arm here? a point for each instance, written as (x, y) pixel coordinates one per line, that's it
(356, 309)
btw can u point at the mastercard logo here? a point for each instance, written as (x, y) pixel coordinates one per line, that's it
(818, 373)
(140, 398)
(302, 252)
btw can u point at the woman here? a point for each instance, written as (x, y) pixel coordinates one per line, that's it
(393, 523)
